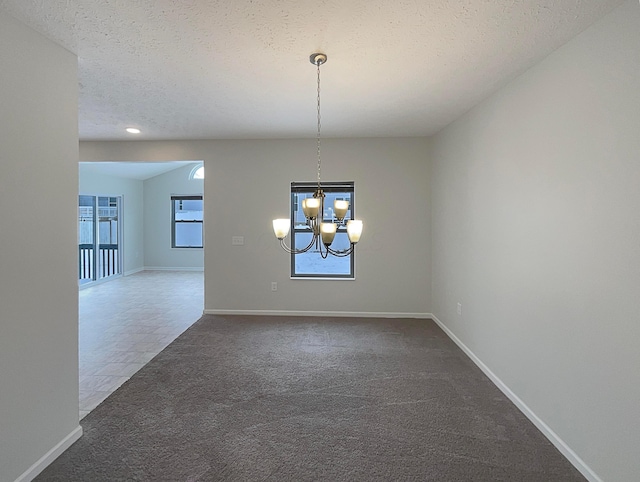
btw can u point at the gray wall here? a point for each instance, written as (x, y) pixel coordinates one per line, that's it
(132, 191)
(536, 232)
(247, 185)
(158, 253)
(38, 273)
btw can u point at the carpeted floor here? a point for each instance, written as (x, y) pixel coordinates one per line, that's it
(309, 399)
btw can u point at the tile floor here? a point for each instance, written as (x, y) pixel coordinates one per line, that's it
(125, 322)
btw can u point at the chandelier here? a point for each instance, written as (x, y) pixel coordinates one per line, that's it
(313, 208)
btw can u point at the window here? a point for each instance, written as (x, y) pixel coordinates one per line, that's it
(197, 173)
(186, 221)
(99, 233)
(311, 264)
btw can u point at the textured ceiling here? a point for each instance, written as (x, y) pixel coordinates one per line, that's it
(186, 69)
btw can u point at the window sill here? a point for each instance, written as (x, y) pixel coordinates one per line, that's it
(321, 278)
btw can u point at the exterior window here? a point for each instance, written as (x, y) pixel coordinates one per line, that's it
(186, 221)
(197, 173)
(311, 264)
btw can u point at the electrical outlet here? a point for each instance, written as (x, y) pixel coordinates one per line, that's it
(459, 308)
(274, 286)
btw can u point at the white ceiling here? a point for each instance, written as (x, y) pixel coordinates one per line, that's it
(188, 69)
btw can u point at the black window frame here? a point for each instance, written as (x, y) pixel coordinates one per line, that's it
(190, 197)
(347, 187)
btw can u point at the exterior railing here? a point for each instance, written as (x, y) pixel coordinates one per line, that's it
(107, 260)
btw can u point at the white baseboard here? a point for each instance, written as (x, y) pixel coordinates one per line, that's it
(33, 471)
(164, 268)
(569, 454)
(99, 281)
(133, 271)
(327, 314)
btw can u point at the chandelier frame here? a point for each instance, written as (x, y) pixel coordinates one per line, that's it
(323, 233)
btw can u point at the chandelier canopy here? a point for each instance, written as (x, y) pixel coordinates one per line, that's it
(313, 207)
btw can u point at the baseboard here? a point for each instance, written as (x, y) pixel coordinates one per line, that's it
(327, 314)
(164, 268)
(33, 471)
(133, 271)
(569, 454)
(99, 282)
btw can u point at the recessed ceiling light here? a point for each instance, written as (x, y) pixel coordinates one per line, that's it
(133, 130)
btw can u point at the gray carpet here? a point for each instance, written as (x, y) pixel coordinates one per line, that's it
(307, 399)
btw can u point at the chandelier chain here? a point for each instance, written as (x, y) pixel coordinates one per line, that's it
(323, 232)
(318, 136)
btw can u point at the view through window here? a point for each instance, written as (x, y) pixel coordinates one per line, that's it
(186, 221)
(311, 264)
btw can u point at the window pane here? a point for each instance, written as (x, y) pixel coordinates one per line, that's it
(187, 209)
(188, 235)
(329, 198)
(187, 217)
(311, 263)
(108, 232)
(85, 218)
(199, 173)
(298, 216)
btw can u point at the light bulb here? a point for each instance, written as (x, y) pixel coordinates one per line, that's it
(281, 227)
(340, 208)
(310, 207)
(354, 230)
(328, 231)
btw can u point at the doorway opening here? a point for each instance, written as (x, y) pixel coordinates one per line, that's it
(99, 238)
(138, 291)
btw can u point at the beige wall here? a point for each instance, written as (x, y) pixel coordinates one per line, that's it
(534, 197)
(38, 249)
(247, 185)
(536, 232)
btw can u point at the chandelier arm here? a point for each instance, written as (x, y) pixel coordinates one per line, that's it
(298, 251)
(325, 253)
(313, 241)
(285, 247)
(341, 253)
